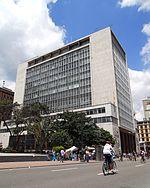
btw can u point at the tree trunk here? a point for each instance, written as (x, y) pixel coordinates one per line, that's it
(7, 127)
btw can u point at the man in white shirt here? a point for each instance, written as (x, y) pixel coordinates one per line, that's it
(108, 153)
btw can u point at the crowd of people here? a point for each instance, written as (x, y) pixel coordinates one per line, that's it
(83, 155)
(132, 156)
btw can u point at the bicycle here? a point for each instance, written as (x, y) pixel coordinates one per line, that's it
(105, 168)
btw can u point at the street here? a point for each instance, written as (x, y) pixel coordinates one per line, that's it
(130, 175)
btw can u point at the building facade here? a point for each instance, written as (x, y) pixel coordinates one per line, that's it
(144, 134)
(6, 95)
(85, 73)
(143, 127)
(146, 107)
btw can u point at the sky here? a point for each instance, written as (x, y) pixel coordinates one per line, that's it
(29, 28)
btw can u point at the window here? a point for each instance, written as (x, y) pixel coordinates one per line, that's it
(101, 110)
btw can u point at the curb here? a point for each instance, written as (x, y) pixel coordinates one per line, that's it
(34, 166)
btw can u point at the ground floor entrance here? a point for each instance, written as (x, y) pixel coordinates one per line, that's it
(128, 143)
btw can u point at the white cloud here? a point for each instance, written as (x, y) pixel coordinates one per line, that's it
(146, 29)
(127, 3)
(140, 89)
(26, 30)
(142, 4)
(145, 52)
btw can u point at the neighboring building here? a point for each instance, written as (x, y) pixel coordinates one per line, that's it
(143, 127)
(86, 73)
(144, 134)
(146, 107)
(6, 95)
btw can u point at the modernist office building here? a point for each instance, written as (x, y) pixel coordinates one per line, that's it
(90, 73)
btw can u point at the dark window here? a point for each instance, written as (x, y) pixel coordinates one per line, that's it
(95, 120)
(91, 112)
(101, 110)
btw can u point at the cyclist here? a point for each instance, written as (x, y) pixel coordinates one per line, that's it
(108, 152)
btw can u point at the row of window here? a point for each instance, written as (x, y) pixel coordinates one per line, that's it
(62, 91)
(125, 122)
(144, 130)
(105, 119)
(68, 60)
(57, 74)
(54, 81)
(96, 111)
(145, 139)
(144, 126)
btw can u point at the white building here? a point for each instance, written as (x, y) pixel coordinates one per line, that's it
(84, 74)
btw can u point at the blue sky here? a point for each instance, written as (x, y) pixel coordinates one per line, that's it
(82, 17)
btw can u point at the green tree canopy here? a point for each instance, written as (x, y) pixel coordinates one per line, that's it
(81, 129)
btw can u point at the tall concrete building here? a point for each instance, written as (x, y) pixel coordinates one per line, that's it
(146, 107)
(90, 74)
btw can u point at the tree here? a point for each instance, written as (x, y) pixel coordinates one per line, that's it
(81, 129)
(60, 138)
(106, 136)
(37, 123)
(20, 126)
(6, 109)
(32, 119)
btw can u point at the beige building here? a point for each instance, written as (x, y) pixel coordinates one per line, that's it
(144, 134)
(146, 107)
(89, 72)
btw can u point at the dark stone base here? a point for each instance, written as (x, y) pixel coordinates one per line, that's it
(23, 158)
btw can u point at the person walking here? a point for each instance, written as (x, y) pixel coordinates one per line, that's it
(62, 155)
(87, 157)
(54, 156)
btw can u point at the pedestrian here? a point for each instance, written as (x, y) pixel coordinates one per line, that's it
(54, 156)
(134, 155)
(87, 156)
(62, 155)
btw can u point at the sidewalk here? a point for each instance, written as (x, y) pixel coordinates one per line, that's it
(13, 165)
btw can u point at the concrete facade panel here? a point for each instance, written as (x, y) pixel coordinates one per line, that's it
(102, 70)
